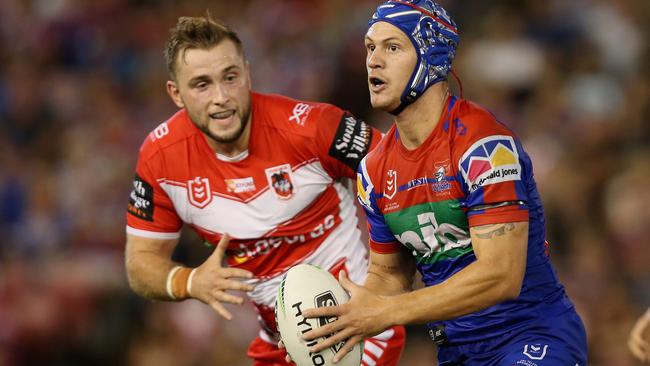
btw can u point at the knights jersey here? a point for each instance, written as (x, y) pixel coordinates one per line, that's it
(470, 171)
(281, 202)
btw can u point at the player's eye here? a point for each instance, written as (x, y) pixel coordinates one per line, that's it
(370, 47)
(229, 78)
(393, 47)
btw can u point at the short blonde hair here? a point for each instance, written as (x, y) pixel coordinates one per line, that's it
(196, 33)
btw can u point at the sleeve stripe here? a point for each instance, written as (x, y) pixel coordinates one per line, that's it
(152, 234)
(384, 248)
(498, 217)
(496, 205)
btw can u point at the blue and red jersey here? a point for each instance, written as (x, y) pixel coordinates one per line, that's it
(471, 171)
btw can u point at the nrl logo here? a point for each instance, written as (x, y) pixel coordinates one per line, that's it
(281, 180)
(391, 184)
(198, 191)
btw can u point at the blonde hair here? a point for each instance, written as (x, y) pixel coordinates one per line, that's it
(196, 33)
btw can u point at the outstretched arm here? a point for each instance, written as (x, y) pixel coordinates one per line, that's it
(153, 275)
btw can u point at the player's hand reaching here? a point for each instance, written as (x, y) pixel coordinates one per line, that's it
(362, 317)
(639, 340)
(211, 281)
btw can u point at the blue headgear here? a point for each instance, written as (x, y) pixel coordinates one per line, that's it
(434, 35)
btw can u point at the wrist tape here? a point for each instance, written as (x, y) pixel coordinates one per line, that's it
(179, 282)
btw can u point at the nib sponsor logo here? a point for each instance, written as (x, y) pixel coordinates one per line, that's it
(491, 160)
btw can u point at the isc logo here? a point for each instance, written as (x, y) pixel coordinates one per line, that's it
(434, 237)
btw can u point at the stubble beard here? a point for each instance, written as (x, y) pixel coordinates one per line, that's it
(225, 139)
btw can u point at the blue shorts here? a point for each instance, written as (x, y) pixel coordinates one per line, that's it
(553, 341)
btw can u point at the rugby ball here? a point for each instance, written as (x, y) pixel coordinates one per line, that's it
(305, 286)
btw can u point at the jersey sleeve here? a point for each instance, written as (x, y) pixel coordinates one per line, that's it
(150, 212)
(493, 173)
(382, 239)
(343, 140)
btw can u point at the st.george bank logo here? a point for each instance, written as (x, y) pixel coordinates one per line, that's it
(491, 160)
(198, 192)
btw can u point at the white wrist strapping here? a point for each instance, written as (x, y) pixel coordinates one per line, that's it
(170, 277)
(189, 281)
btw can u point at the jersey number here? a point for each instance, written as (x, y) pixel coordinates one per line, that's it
(161, 131)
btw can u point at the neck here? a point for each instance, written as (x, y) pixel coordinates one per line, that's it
(416, 122)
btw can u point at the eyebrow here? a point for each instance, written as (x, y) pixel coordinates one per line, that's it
(383, 40)
(230, 68)
(207, 78)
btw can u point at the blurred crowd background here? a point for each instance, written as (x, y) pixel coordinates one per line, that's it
(82, 83)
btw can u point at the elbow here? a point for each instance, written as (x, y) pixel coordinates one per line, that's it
(512, 291)
(131, 276)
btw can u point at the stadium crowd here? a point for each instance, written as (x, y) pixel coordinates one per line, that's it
(82, 83)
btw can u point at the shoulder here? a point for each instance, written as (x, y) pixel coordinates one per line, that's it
(472, 127)
(471, 121)
(178, 128)
(482, 144)
(298, 116)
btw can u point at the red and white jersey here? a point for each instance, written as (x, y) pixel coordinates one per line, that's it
(281, 201)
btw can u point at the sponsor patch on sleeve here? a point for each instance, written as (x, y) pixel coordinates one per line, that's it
(490, 160)
(364, 187)
(141, 199)
(351, 142)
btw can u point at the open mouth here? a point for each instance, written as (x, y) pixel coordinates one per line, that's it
(222, 115)
(376, 83)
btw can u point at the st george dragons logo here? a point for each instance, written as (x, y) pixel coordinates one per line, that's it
(281, 180)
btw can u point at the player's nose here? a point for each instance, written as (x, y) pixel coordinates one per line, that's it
(219, 95)
(374, 60)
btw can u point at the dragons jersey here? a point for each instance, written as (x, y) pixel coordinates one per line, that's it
(281, 201)
(470, 171)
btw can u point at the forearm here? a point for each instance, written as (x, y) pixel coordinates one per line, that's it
(495, 276)
(148, 276)
(381, 284)
(148, 267)
(468, 291)
(390, 274)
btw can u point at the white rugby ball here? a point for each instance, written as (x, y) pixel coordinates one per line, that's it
(306, 286)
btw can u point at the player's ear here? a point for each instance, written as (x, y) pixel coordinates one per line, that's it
(174, 93)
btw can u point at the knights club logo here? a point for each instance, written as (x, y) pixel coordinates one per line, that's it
(441, 182)
(281, 180)
(198, 191)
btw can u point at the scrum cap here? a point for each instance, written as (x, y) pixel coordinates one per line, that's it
(434, 35)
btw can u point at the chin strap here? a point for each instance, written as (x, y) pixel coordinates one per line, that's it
(399, 109)
(460, 85)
